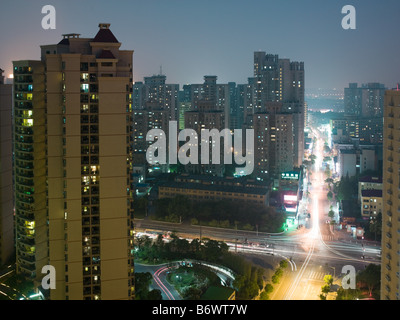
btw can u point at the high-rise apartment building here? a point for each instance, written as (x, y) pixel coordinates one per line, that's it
(274, 149)
(6, 185)
(390, 261)
(151, 117)
(155, 103)
(163, 94)
(280, 80)
(216, 94)
(73, 120)
(156, 91)
(368, 130)
(206, 117)
(365, 101)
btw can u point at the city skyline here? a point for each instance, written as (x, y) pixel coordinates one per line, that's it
(189, 41)
(101, 187)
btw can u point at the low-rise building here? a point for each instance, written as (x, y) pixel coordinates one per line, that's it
(203, 192)
(371, 203)
(369, 183)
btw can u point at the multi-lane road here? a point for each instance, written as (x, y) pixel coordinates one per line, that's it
(313, 251)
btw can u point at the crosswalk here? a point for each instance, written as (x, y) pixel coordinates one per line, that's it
(316, 275)
(328, 237)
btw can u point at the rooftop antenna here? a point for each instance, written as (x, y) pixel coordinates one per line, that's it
(161, 70)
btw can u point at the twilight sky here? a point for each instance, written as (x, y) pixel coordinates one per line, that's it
(191, 39)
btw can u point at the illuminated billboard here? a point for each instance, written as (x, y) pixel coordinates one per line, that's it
(291, 175)
(289, 198)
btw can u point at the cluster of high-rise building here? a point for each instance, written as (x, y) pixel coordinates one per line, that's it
(363, 114)
(357, 133)
(272, 103)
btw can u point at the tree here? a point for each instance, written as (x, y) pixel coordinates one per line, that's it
(264, 296)
(328, 279)
(325, 289)
(347, 294)
(370, 276)
(142, 282)
(154, 294)
(192, 293)
(269, 288)
(283, 264)
(375, 226)
(329, 181)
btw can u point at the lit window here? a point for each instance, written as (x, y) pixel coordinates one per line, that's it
(27, 122)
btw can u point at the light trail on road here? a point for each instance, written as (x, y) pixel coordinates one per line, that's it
(314, 234)
(156, 277)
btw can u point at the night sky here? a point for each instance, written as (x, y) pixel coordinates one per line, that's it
(191, 39)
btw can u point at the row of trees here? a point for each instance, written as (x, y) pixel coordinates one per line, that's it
(226, 214)
(248, 278)
(276, 278)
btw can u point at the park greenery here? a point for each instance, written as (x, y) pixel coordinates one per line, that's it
(193, 281)
(248, 278)
(223, 214)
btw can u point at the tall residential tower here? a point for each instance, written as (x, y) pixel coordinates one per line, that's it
(390, 264)
(73, 167)
(6, 186)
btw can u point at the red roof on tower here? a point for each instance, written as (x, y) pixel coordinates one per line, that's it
(105, 34)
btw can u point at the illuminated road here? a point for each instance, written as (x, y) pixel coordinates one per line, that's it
(312, 252)
(321, 258)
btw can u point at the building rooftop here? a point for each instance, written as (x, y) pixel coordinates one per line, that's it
(105, 34)
(208, 179)
(214, 187)
(370, 179)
